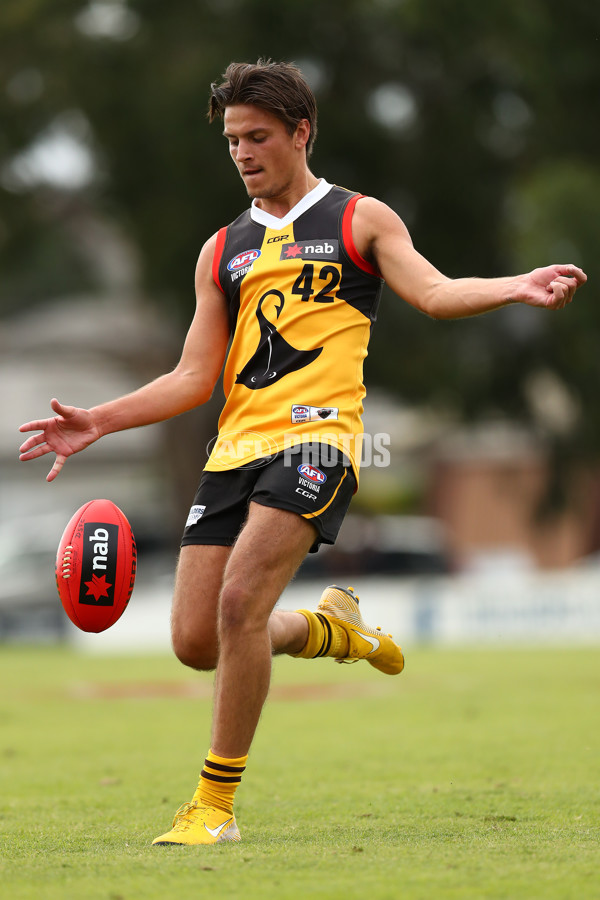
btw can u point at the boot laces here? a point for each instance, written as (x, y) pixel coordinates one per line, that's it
(183, 818)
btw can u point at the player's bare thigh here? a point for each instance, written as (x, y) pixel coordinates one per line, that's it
(238, 585)
(267, 553)
(198, 583)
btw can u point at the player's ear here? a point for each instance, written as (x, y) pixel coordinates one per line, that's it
(302, 134)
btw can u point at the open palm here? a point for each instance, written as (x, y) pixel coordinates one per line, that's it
(70, 431)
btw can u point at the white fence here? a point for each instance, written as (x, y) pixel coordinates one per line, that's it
(554, 608)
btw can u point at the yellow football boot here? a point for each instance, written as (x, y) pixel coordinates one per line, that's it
(340, 607)
(194, 824)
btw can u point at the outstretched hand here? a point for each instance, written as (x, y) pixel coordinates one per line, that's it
(552, 287)
(70, 431)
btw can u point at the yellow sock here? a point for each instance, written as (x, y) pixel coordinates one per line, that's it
(219, 780)
(325, 638)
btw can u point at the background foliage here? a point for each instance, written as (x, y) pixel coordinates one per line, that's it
(478, 123)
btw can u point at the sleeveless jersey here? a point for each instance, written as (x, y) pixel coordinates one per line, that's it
(301, 303)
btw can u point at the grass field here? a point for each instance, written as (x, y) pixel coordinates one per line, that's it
(474, 774)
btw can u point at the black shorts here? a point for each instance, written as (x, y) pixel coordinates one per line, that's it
(314, 480)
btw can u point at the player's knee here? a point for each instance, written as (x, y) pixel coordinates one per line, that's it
(195, 651)
(236, 610)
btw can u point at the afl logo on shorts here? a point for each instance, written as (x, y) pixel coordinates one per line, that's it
(243, 259)
(312, 473)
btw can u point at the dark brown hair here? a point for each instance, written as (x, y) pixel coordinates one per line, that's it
(278, 87)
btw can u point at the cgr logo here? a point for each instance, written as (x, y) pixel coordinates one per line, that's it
(243, 259)
(278, 238)
(306, 494)
(312, 473)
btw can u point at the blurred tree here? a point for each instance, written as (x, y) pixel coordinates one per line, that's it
(475, 122)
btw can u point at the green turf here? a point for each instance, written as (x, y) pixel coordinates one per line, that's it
(474, 774)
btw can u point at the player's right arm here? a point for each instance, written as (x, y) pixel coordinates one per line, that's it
(190, 384)
(382, 238)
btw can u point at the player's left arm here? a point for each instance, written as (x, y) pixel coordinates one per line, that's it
(382, 238)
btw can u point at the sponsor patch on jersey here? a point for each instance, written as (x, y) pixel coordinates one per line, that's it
(242, 260)
(302, 413)
(312, 473)
(315, 249)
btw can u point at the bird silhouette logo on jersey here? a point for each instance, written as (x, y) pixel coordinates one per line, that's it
(274, 357)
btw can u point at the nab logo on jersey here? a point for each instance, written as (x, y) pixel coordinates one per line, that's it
(317, 250)
(243, 259)
(312, 473)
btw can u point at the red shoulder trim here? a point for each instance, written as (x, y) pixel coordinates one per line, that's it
(216, 263)
(348, 240)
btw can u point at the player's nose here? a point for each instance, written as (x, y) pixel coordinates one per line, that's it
(244, 151)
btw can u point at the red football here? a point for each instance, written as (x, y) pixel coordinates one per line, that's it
(96, 565)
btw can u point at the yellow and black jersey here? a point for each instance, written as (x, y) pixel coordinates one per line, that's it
(301, 302)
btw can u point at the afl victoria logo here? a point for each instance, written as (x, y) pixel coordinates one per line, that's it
(312, 473)
(243, 259)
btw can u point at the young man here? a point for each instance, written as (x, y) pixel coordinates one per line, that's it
(294, 282)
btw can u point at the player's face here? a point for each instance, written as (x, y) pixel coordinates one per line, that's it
(267, 156)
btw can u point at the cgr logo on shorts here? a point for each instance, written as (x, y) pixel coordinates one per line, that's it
(306, 493)
(312, 473)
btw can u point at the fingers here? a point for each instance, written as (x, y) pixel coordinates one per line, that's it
(32, 441)
(564, 286)
(38, 425)
(571, 271)
(562, 290)
(37, 444)
(66, 412)
(32, 449)
(559, 291)
(558, 283)
(58, 464)
(40, 450)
